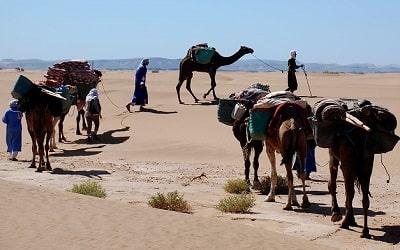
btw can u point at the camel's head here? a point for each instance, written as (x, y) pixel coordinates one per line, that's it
(246, 50)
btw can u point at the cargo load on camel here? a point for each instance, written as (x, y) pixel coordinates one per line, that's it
(338, 117)
(74, 73)
(234, 107)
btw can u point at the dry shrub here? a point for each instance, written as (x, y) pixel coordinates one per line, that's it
(91, 188)
(237, 186)
(171, 201)
(281, 185)
(240, 203)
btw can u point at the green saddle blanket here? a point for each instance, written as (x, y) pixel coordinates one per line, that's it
(204, 55)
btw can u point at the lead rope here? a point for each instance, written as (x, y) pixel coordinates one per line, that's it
(388, 180)
(281, 70)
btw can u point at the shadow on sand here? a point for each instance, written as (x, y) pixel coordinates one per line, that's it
(87, 173)
(78, 152)
(324, 209)
(203, 103)
(155, 111)
(106, 138)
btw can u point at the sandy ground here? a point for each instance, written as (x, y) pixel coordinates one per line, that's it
(162, 150)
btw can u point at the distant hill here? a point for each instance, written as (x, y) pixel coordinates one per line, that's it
(158, 63)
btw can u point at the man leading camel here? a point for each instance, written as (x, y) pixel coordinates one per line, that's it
(140, 96)
(292, 66)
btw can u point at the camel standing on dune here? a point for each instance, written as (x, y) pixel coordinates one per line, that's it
(287, 136)
(188, 65)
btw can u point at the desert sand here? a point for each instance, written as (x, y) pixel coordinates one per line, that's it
(162, 149)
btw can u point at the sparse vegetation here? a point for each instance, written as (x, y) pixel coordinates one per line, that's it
(171, 201)
(281, 185)
(240, 203)
(91, 188)
(237, 186)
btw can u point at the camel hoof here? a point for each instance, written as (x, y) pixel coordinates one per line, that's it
(32, 166)
(306, 203)
(196, 100)
(48, 167)
(288, 208)
(270, 199)
(204, 96)
(336, 217)
(295, 203)
(39, 170)
(344, 226)
(365, 234)
(257, 185)
(78, 133)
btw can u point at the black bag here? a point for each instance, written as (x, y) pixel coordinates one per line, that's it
(94, 106)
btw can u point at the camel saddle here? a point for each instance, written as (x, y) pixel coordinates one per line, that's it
(292, 109)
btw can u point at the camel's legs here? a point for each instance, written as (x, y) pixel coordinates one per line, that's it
(40, 141)
(258, 147)
(188, 84)
(178, 87)
(289, 176)
(48, 166)
(61, 136)
(274, 176)
(364, 182)
(349, 186)
(213, 85)
(53, 144)
(246, 149)
(78, 120)
(333, 168)
(34, 150)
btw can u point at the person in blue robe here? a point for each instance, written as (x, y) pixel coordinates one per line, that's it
(12, 118)
(140, 96)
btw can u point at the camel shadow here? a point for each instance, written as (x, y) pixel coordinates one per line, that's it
(107, 138)
(87, 173)
(78, 152)
(391, 234)
(324, 209)
(203, 103)
(155, 111)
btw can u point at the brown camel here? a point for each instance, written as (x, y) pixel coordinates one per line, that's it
(40, 111)
(354, 147)
(188, 65)
(286, 135)
(239, 131)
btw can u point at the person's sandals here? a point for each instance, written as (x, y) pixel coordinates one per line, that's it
(128, 107)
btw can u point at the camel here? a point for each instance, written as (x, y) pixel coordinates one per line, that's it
(188, 65)
(354, 147)
(286, 135)
(71, 90)
(40, 112)
(239, 131)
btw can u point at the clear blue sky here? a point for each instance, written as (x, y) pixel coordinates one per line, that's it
(334, 31)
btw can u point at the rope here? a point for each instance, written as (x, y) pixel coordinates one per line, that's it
(281, 70)
(388, 180)
(109, 99)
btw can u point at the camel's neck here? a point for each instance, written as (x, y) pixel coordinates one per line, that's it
(230, 59)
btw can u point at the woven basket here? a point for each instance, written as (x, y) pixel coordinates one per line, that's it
(22, 87)
(225, 108)
(258, 122)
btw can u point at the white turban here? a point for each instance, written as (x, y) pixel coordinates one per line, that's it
(293, 54)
